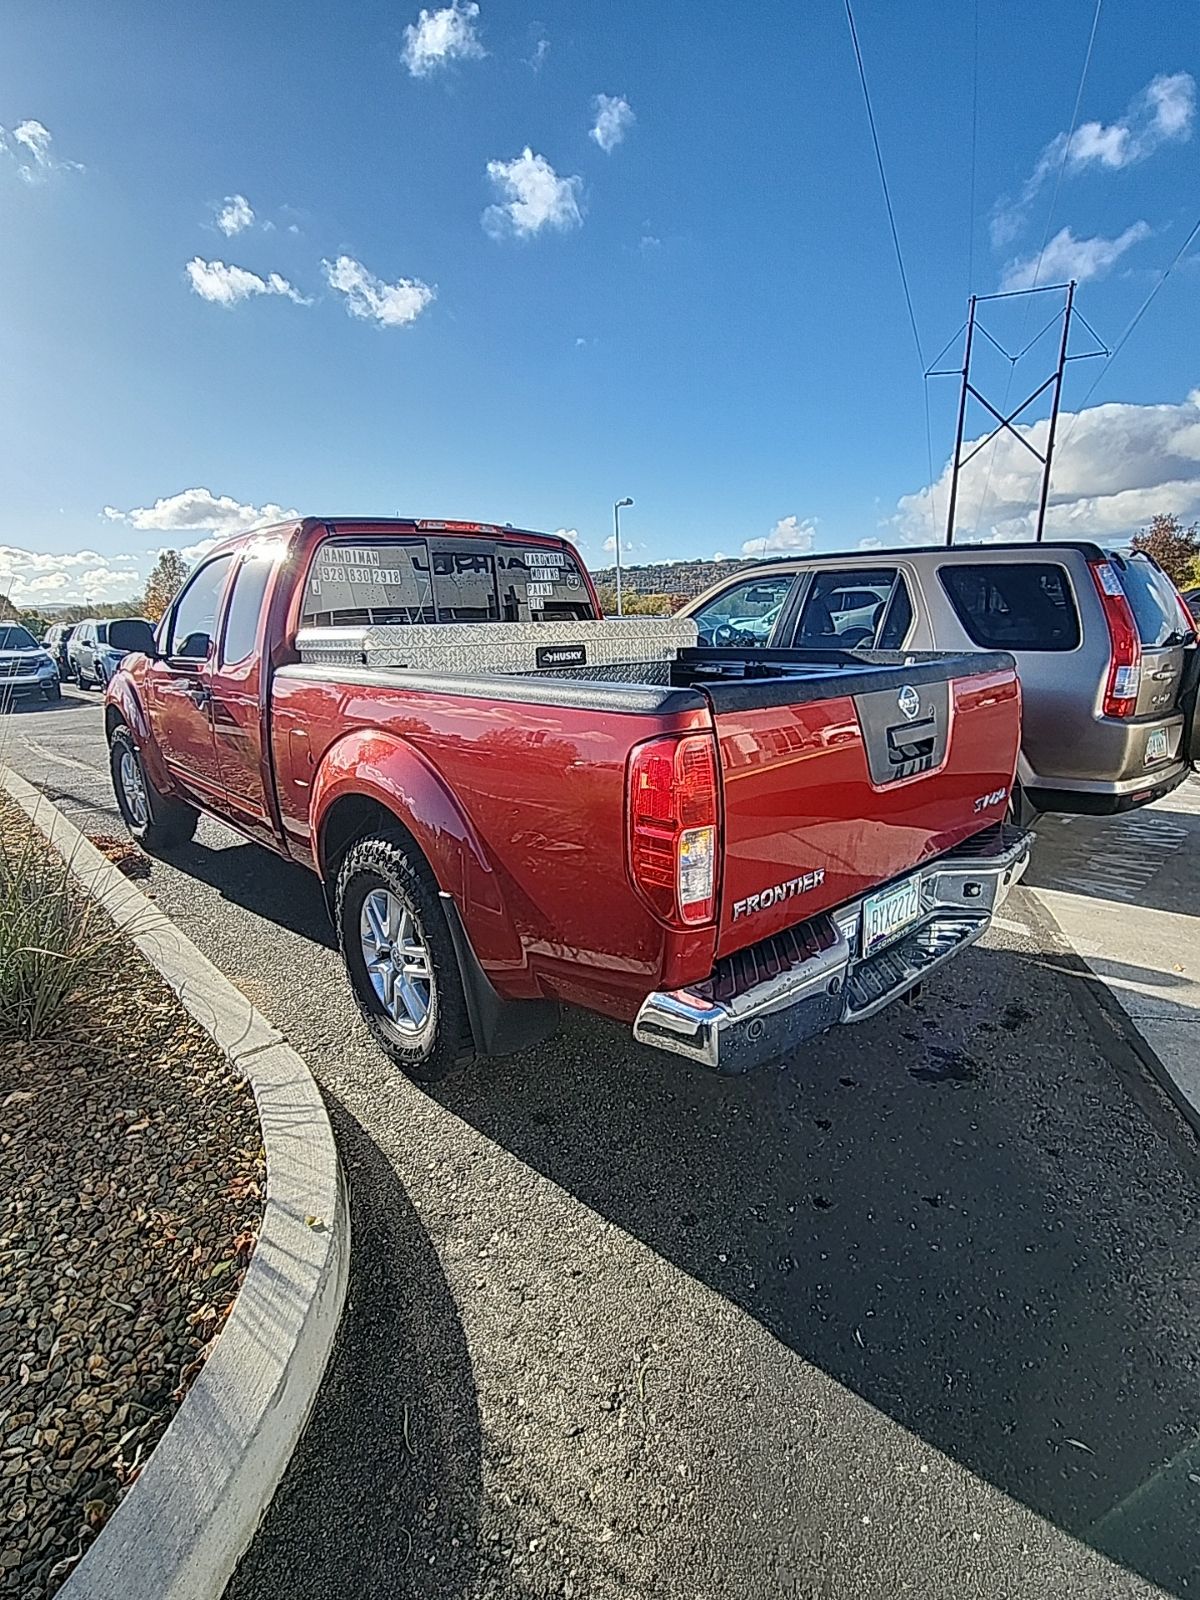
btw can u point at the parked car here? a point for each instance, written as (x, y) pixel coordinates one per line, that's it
(96, 648)
(1104, 646)
(26, 669)
(57, 637)
(1191, 599)
(514, 804)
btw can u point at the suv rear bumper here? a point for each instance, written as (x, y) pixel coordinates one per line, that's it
(1107, 799)
(761, 1003)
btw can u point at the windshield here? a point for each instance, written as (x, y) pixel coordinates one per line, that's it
(1152, 599)
(17, 638)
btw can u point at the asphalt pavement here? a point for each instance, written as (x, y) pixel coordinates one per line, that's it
(917, 1315)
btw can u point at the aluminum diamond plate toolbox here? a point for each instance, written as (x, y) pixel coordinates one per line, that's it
(468, 648)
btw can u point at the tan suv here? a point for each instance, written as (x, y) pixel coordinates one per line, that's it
(1104, 644)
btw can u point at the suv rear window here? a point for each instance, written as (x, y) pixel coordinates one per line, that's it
(1014, 605)
(391, 581)
(1152, 599)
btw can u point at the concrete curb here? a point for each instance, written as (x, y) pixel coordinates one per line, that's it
(1110, 1017)
(180, 1531)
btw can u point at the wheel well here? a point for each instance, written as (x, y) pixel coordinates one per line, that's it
(349, 819)
(112, 721)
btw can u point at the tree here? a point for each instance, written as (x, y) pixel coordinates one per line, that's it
(164, 583)
(1173, 546)
(8, 611)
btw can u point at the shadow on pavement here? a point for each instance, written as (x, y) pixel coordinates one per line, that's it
(253, 877)
(382, 1494)
(962, 1210)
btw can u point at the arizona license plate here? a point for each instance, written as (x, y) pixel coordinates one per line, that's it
(887, 914)
(1157, 748)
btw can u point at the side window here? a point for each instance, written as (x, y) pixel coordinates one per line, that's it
(194, 617)
(845, 607)
(897, 620)
(1013, 605)
(245, 607)
(102, 633)
(745, 614)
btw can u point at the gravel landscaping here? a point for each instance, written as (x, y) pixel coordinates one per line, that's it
(130, 1198)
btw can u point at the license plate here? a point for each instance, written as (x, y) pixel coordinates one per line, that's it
(887, 914)
(1157, 748)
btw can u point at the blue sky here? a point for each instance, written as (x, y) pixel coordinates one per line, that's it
(691, 299)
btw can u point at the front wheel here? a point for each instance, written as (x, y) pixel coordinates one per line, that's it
(157, 821)
(396, 944)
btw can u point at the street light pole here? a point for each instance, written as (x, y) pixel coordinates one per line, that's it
(617, 504)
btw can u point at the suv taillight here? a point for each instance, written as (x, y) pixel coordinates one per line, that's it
(673, 827)
(1125, 667)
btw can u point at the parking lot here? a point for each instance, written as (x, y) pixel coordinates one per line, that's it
(917, 1315)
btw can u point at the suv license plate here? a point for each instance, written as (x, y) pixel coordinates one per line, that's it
(886, 915)
(1156, 746)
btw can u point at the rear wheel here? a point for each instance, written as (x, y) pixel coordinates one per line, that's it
(53, 692)
(396, 944)
(157, 821)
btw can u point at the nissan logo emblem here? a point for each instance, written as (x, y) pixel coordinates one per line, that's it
(909, 702)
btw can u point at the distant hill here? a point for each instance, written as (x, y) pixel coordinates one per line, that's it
(671, 577)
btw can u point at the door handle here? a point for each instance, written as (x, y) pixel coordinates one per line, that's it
(199, 692)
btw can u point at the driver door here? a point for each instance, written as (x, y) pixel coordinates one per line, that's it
(179, 685)
(751, 614)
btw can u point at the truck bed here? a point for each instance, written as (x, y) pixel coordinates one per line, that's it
(829, 788)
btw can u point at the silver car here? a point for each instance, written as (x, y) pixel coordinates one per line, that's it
(1105, 647)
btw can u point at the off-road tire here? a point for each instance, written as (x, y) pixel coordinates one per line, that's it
(392, 862)
(169, 823)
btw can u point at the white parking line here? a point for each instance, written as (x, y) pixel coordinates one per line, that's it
(53, 755)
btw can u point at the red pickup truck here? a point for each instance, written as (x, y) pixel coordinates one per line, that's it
(513, 804)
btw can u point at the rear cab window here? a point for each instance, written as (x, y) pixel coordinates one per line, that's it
(1013, 605)
(361, 580)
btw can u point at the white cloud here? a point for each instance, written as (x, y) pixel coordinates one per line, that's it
(534, 197)
(870, 543)
(1067, 257)
(236, 214)
(391, 305)
(789, 534)
(719, 555)
(438, 37)
(1163, 112)
(227, 286)
(199, 510)
(29, 144)
(540, 51)
(1115, 466)
(30, 577)
(567, 533)
(614, 118)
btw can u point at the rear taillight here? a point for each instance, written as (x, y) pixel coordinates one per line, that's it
(673, 827)
(1125, 666)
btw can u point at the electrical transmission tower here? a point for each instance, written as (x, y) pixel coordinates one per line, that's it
(974, 325)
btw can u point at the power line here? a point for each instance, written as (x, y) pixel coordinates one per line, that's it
(887, 197)
(1062, 167)
(887, 200)
(1132, 324)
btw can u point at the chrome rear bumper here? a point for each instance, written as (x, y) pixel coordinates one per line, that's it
(762, 1002)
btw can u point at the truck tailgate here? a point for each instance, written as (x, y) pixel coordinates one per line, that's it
(836, 782)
